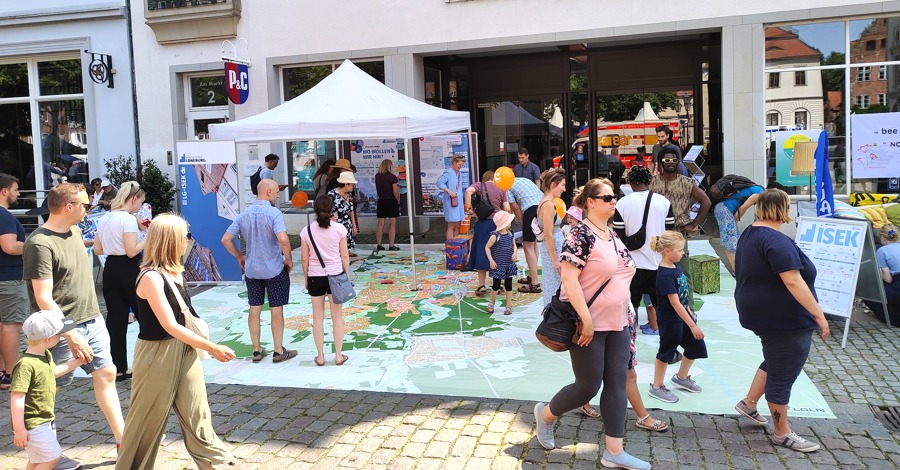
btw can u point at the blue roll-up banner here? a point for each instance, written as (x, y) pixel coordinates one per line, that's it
(208, 197)
(824, 191)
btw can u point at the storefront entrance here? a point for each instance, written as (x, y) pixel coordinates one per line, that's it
(591, 110)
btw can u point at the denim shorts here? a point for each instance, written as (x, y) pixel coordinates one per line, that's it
(783, 359)
(97, 336)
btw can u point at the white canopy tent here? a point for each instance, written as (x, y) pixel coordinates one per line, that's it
(348, 104)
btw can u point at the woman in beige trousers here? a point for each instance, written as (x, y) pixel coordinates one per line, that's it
(167, 370)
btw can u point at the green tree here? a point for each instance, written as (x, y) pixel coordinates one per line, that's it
(615, 108)
(833, 80)
(120, 170)
(159, 188)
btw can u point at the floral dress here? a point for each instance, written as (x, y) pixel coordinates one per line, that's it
(343, 211)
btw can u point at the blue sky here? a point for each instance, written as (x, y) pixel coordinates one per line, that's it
(828, 37)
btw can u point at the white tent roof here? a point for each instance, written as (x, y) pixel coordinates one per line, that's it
(348, 104)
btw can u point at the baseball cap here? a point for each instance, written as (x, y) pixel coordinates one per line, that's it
(44, 324)
(104, 183)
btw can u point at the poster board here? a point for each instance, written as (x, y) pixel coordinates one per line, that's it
(208, 198)
(784, 155)
(843, 252)
(431, 156)
(367, 155)
(876, 145)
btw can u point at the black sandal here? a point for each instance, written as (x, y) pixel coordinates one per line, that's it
(123, 377)
(481, 291)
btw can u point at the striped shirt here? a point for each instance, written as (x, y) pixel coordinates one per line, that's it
(259, 224)
(524, 193)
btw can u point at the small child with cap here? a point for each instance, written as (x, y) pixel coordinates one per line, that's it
(501, 252)
(32, 396)
(573, 218)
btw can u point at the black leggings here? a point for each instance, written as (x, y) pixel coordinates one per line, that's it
(604, 361)
(119, 276)
(507, 281)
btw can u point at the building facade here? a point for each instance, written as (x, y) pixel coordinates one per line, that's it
(545, 76)
(60, 117)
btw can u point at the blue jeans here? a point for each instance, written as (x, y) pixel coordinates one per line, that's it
(95, 333)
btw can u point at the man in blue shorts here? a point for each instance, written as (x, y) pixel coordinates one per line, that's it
(267, 265)
(58, 274)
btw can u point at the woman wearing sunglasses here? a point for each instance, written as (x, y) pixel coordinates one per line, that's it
(117, 238)
(595, 262)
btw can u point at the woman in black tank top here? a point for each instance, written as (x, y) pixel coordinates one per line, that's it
(166, 364)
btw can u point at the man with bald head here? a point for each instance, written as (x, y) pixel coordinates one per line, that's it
(267, 265)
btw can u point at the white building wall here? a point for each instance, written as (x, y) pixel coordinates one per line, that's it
(283, 32)
(52, 27)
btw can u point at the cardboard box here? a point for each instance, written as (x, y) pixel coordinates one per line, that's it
(705, 274)
(457, 253)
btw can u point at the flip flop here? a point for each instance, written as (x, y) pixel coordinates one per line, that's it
(658, 426)
(320, 364)
(344, 359)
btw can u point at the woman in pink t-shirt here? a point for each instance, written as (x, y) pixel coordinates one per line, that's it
(594, 260)
(331, 250)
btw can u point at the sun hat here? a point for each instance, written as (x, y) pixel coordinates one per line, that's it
(342, 163)
(347, 178)
(502, 219)
(574, 211)
(104, 183)
(44, 324)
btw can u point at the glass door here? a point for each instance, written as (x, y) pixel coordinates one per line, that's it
(627, 124)
(505, 127)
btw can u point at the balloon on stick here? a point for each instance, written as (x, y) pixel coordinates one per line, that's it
(299, 199)
(504, 178)
(560, 207)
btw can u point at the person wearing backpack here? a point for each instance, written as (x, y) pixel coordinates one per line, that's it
(639, 217)
(488, 193)
(739, 194)
(266, 172)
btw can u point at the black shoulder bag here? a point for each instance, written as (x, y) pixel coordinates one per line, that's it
(636, 240)
(339, 284)
(481, 205)
(561, 323)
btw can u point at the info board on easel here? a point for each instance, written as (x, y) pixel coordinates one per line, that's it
(843, 252)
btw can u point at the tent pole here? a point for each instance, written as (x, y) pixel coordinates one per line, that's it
(410, 212)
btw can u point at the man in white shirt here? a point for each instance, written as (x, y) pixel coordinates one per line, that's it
(628, 220)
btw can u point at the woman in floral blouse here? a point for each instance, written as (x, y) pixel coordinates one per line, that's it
(343, 206)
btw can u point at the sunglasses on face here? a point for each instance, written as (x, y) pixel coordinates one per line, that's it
(670, 160)
(607, 198)
(86, 205)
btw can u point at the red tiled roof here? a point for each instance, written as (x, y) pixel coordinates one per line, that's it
(835, 98)
(784, 44)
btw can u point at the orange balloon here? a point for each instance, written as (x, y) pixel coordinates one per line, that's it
(560, 207)
(299, 199)
(504, 178)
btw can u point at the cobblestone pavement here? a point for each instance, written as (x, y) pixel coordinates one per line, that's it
(280, 428)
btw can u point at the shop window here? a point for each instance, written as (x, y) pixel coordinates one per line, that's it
(13, 80)
(773, 118)
(40, 150)
(800, 78)
(801, 45)
(863, 74)
(297, 80)
(774, 79)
